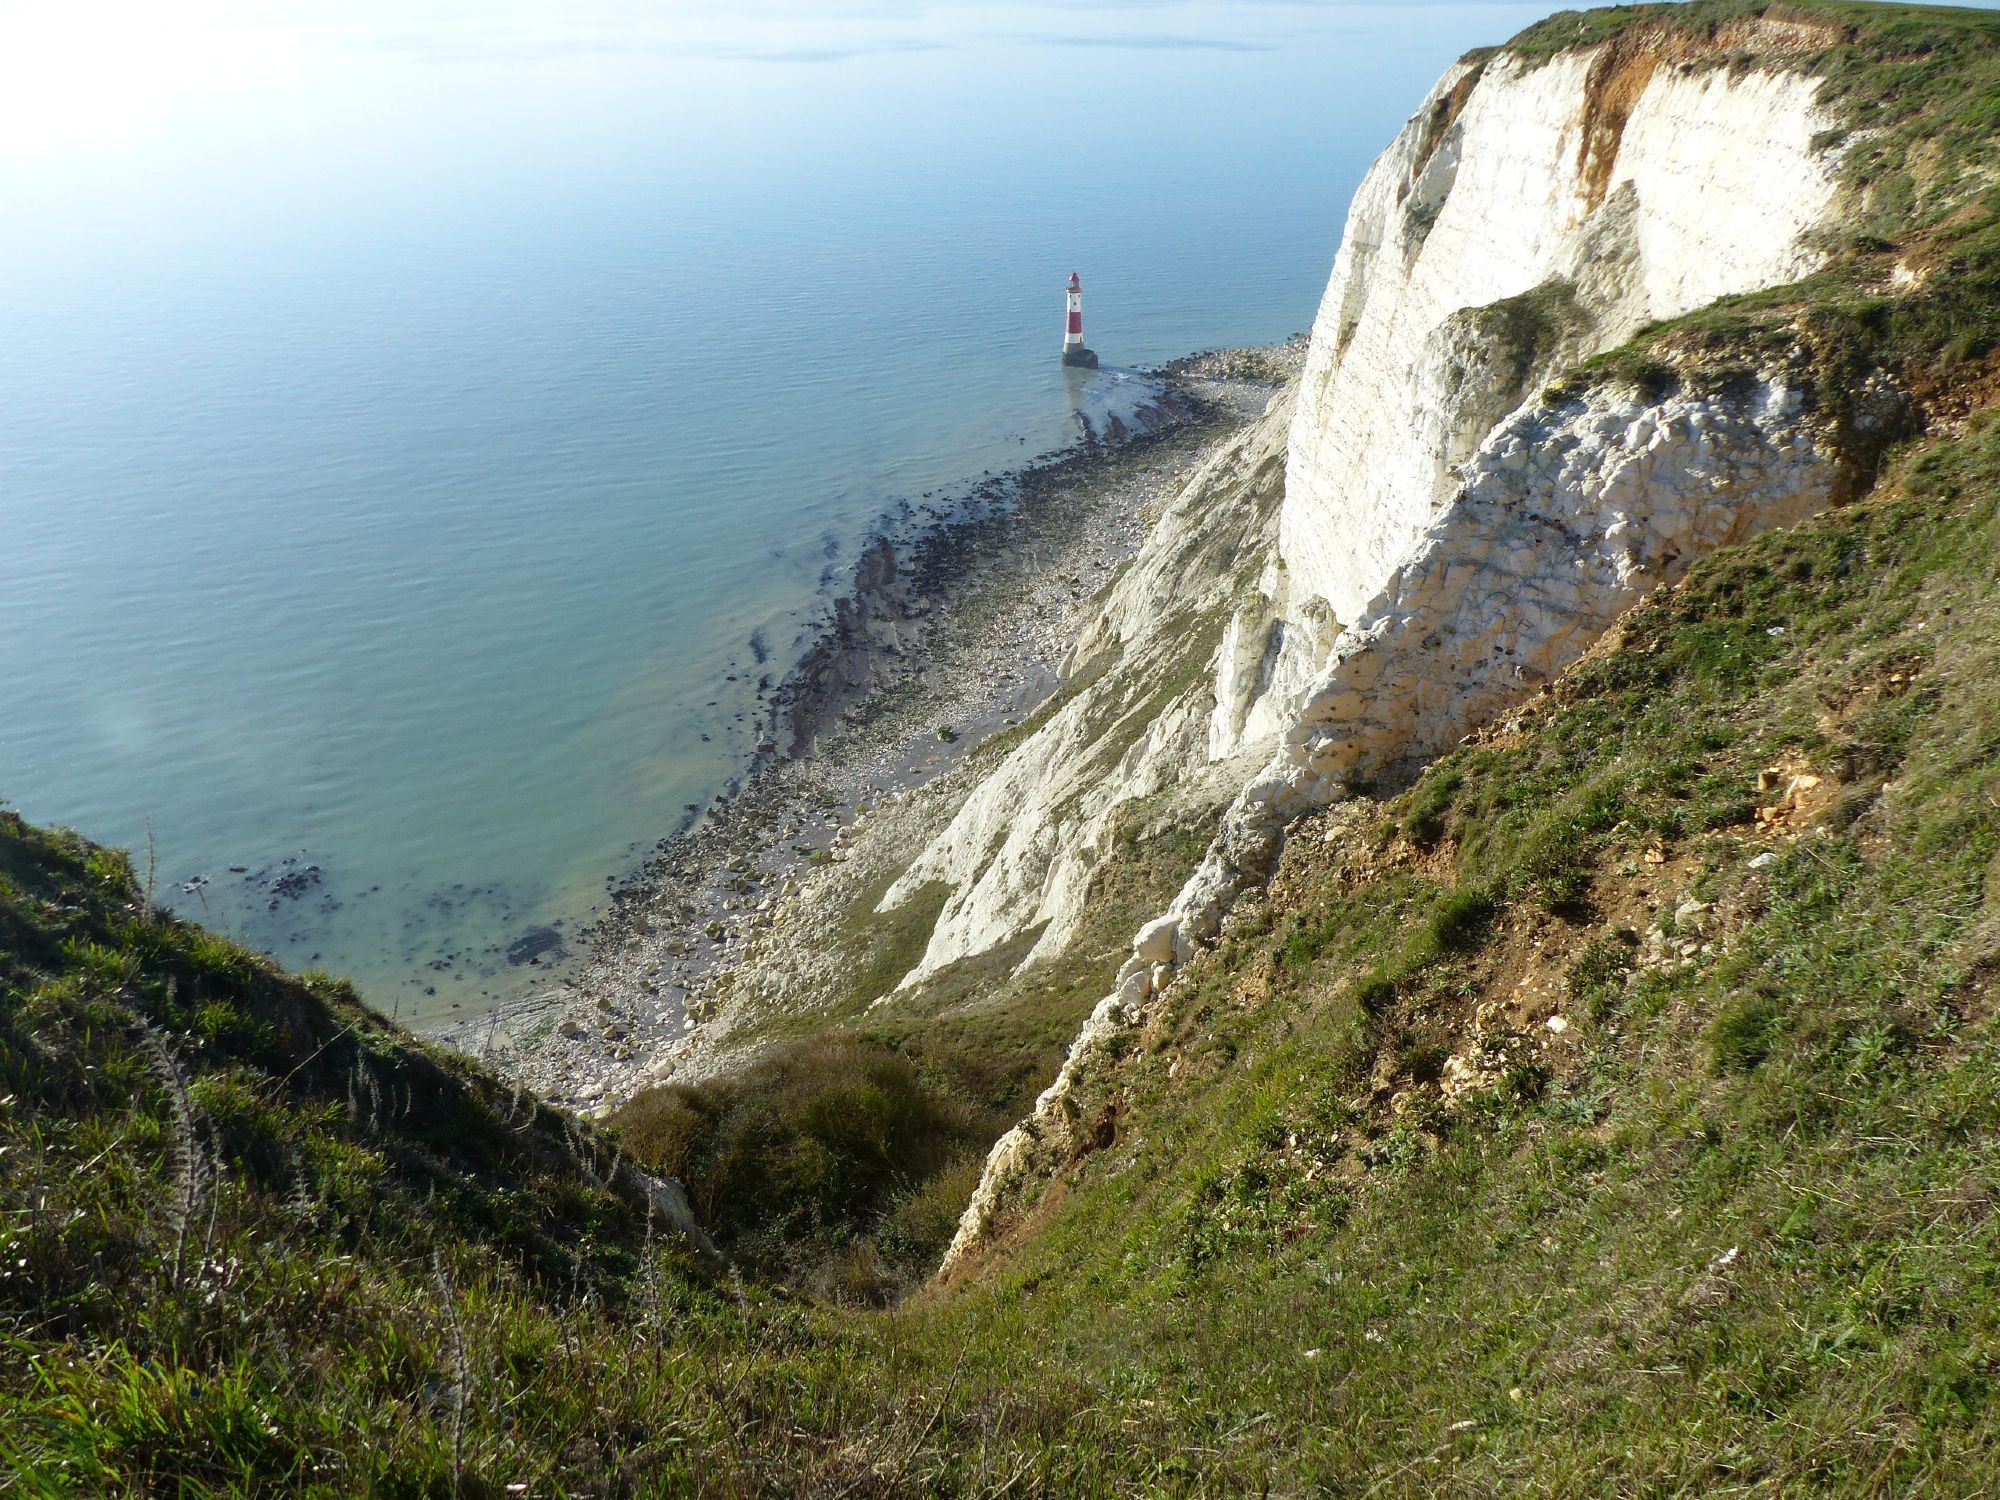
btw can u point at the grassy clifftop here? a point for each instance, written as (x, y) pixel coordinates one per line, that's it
(1914, 92)
(1614, 1110)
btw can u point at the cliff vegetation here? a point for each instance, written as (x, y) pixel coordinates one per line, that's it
(1611, 1107)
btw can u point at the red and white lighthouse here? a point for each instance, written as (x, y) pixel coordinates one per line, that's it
(1073, 352)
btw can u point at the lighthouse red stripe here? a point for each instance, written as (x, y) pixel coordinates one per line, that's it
(1076, 321)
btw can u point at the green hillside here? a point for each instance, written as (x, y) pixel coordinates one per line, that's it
(1356, 1217)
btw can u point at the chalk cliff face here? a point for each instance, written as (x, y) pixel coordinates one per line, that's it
(1022, 848)
(1529, 214)
(1511, 184)
(1453, 530)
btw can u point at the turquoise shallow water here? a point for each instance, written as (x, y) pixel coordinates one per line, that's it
(407, 420)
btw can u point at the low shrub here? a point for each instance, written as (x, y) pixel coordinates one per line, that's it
(1597, 977)
(1746, 1030)
(1458, 923)
(805, 1151)
(1431, 804)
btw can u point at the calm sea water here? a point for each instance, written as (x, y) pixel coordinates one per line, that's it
(409, 414)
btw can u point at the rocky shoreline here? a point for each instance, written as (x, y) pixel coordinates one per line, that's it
(951, 630)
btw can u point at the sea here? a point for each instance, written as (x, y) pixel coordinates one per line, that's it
(426, 427)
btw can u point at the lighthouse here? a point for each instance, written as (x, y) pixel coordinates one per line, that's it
(1073, 351)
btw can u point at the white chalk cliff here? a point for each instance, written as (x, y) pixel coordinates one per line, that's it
(1023, 846)
(1715, 188)
(1528, 215)
(1452, 531)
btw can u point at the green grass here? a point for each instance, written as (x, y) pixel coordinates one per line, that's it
(1738, 1229)
(1555, 1258)
(810, 1164)
(1744, 1234)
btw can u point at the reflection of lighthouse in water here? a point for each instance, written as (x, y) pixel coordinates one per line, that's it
(1073, 351)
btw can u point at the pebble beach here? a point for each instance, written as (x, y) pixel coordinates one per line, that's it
(953, 630)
